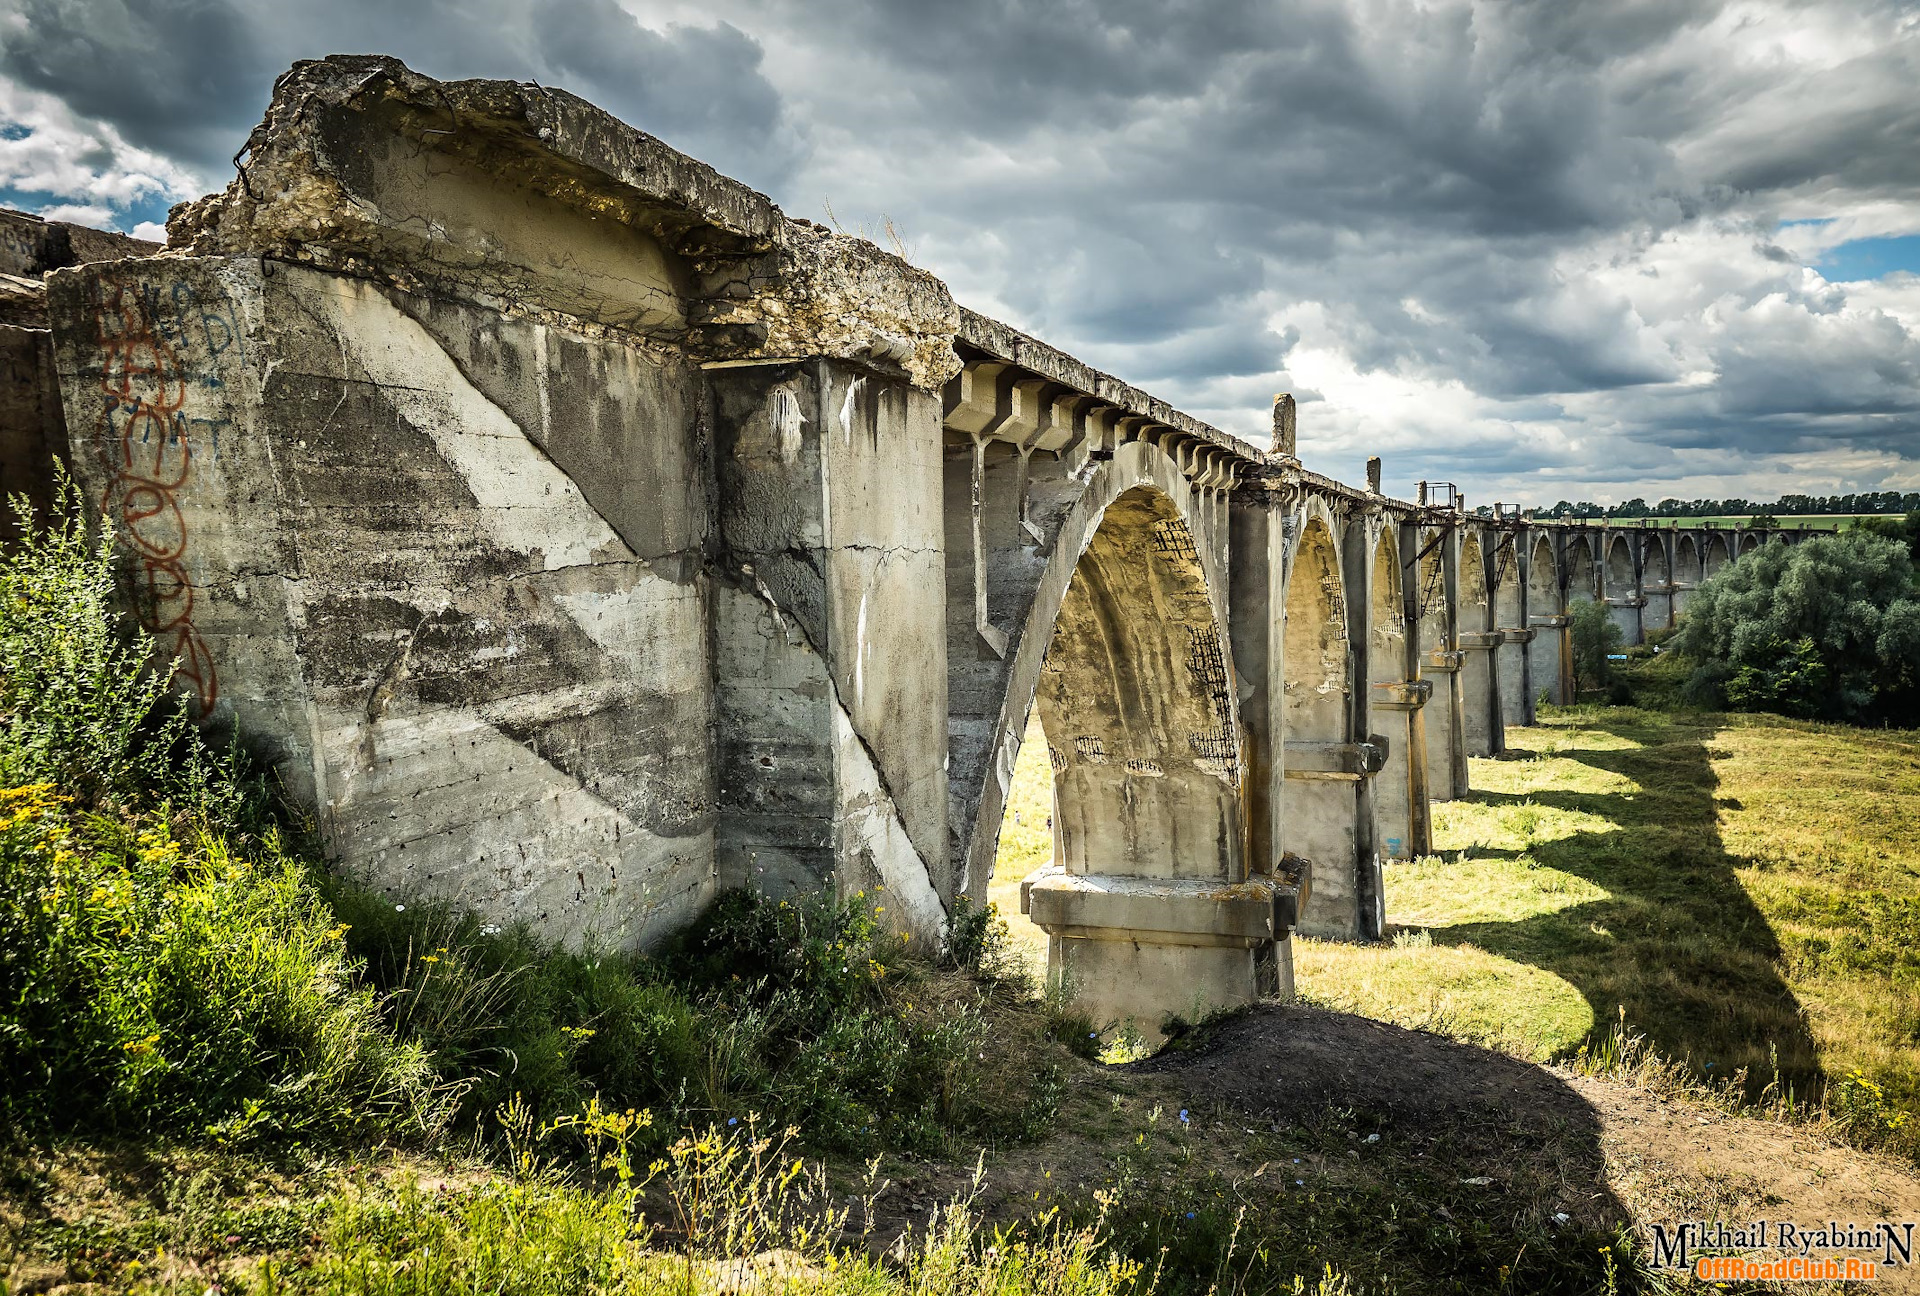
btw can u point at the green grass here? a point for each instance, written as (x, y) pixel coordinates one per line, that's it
(1742, 891)
(1792, 522)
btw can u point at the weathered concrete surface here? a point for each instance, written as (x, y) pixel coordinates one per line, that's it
(831, 720)
(30, 417)
(30, 421)
(30, 246)
(532, 198)
(488, 687)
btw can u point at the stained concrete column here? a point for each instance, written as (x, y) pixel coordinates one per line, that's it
(1402, 826)
(1514, 666)
(1440, 660)
(830, 636)
(1480, 698)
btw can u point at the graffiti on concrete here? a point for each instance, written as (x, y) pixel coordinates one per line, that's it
(143, 442)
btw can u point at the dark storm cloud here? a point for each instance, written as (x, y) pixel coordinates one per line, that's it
(188, 78)
(1497, 240)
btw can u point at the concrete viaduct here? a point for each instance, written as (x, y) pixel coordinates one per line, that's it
(578, 535)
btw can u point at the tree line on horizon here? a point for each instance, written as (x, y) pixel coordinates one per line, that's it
(1889, 502)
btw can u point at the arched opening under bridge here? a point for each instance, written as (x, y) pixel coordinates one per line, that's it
(1623, 589)
(1546, 616)
(1134, 732)
(1321, 785)
(1479, 705)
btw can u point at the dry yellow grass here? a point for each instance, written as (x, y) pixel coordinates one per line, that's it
(1026, 842)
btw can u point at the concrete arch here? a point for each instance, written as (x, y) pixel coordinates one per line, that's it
(1137, 703)
(1320, 798)
(1687, 566)
(1687, 571)
(1393, 706)
(1717, 553)
(1621, 585)
(1479, 695)
(979, 782)
(1749, 542)
(1547, 659)
(1511, 665)
(1656, 582)
(1582, 569)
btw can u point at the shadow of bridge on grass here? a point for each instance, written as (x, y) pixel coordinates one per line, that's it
(1677, 948)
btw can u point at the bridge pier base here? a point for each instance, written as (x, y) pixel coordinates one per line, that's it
(1513, 667)
(1120, 943)
(1446, 749)
(1479, 700)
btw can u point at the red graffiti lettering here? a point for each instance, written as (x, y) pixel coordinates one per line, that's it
(143, 443)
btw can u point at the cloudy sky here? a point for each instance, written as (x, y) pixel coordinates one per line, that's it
(1549, 249)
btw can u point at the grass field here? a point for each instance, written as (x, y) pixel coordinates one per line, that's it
(1742, 890)
(1789, 523)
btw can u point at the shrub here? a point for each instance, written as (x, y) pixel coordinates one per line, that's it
(1595, 637)
(1906, 530)
(1828, 629)
(806, 1011)
(150, 984)
(80, 705)
(164, 963)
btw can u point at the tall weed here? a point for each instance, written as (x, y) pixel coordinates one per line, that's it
(151, 984)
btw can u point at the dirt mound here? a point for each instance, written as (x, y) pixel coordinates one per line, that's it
(1287, 1062)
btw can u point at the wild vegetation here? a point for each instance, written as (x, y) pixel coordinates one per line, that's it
(175, 972)
(1827, 629)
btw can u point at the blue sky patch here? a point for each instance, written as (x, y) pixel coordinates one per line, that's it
(1871, 258)
(151, 208)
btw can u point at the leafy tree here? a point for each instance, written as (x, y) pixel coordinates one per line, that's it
(1595, 637)
(1828, 628)
(1906, 530)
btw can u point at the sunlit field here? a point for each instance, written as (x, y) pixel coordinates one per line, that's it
(1026, 841)
(1742, 890)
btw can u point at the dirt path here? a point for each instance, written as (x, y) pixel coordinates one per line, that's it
(1357, 1106)
(1671, 1160)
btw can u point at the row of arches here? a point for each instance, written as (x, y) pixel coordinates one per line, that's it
(1248, 697)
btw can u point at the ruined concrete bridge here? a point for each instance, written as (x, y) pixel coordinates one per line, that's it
(578, 535)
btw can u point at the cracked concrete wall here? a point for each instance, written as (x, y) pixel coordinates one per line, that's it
(831, 696)
(414, 439)
(358, 518)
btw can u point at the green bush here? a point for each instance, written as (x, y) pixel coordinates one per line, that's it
(80, 706)
(148, 984)
(807, 1012)
(164, 964)
(1825, 629)
(1596, 636)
